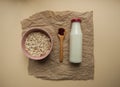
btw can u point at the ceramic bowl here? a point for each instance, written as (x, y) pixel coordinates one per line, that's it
(24, 39)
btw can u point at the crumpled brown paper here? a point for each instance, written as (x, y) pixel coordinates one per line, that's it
(51, 68)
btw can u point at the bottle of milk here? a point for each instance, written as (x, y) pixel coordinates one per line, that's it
(75, 41)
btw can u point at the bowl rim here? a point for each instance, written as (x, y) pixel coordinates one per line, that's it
(27, 32)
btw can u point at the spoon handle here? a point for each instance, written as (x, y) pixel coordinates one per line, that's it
(61, 49)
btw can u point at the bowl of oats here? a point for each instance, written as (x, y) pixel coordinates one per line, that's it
(36, 43)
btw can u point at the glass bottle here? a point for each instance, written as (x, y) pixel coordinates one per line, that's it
(75, 41)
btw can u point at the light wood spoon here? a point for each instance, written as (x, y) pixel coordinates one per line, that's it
(61, 35)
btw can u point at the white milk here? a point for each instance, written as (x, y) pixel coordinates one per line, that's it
(75, 42)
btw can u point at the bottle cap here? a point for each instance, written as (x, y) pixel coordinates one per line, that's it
(76, 20)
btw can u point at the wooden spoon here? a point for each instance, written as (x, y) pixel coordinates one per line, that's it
(61, 35)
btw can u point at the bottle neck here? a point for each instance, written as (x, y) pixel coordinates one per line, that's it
(76, 27)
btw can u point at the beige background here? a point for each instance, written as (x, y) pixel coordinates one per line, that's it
(13, 65)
